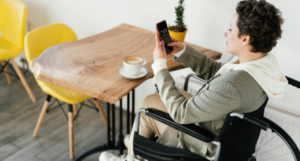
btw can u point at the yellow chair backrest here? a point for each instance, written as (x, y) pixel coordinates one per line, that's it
(37, 40)
(13, 18)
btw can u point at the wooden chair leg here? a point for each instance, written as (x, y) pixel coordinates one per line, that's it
(75, 109)
(23, 80)
(100, 110)
(40, 120)
(71, 132)
(6, 74)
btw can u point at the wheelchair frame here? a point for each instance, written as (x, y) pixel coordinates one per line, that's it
(202, 134)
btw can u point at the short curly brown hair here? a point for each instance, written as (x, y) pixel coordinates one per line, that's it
(262, 22)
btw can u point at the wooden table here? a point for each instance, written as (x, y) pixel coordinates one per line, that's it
(90, 66)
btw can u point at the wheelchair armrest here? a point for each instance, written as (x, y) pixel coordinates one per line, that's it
(293, 82)
(186, 82)
(190, 129)
(259, 123)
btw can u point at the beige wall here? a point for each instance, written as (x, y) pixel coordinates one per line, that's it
(206, 20)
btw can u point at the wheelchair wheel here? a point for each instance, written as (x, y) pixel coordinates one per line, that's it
(275, 145)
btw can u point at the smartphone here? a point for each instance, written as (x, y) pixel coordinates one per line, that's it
(163, 31)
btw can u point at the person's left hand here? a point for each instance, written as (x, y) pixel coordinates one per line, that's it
(159, 51)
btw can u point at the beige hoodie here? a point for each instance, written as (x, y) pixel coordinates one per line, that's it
(266, 71)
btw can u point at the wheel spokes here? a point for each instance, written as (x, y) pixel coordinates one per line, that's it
(274, 157)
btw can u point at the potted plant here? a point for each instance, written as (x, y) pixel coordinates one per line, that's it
(178, 31)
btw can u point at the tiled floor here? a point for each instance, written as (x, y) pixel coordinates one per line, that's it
(18, 117)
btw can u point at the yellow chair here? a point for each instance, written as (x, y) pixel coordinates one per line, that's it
(36, 42)
(13, 16)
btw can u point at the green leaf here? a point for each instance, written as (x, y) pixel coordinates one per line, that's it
(179, 10)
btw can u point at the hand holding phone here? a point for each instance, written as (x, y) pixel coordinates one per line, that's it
(159, 51)
(163, 33)
(177, 46)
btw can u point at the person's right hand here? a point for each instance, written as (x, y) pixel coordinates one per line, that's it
(177, 46)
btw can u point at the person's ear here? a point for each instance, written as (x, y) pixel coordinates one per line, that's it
(246, 40)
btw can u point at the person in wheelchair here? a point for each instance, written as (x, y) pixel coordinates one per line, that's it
(241, 85)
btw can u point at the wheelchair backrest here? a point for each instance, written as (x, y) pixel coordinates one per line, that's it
(238, 137)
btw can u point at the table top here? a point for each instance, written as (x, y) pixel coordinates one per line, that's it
(90, 66)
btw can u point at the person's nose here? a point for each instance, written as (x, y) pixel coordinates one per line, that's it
(225, 34)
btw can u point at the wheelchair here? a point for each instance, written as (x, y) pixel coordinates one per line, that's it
(242, 137)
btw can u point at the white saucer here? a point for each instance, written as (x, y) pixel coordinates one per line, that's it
(142, 73)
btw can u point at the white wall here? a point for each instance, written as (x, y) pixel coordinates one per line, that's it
(206, 20)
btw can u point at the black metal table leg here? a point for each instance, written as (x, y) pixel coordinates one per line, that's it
(108, 146)
(128, 113)
(111, 139)
(120, 141)
(113, 125)
(132, 110)
(108, 123)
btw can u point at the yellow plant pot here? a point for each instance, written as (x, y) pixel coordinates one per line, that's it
(178, 35)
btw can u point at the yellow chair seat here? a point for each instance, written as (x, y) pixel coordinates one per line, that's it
(9, 50)
(65, 95)
(38, 40)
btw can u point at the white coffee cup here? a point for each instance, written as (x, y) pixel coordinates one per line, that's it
(133, 64)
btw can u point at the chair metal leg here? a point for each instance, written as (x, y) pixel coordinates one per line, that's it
(75, 109)
(6, 72)
(23, 80)
(71, 131)
(40, 120)
(100, 110)
(12, 68)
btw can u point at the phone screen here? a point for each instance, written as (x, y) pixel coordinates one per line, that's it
(164, 35)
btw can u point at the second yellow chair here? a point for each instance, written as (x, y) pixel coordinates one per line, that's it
(36, 42)
(13, 18)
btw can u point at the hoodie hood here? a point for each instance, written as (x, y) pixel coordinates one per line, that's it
(266, 71)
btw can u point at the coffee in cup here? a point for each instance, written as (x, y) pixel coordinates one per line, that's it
(133, 64)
